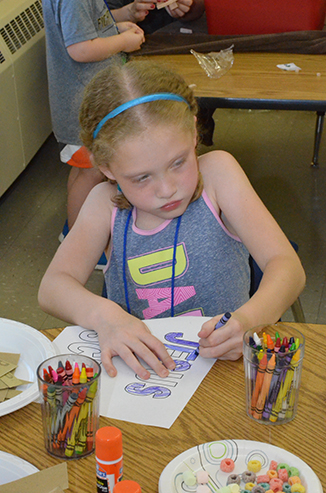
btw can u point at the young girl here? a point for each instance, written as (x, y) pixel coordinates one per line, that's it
(178, 228)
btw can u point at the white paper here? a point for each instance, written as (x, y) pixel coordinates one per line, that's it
(157, 401)
(289, 67)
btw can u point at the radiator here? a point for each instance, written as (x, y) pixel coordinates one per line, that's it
(24, 108)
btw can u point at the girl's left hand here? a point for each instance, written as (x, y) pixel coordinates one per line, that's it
(223, 343)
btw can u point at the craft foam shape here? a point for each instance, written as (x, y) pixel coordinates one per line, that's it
(172, 3)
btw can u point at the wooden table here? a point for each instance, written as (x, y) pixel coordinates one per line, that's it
(215, 412)
(255, 82)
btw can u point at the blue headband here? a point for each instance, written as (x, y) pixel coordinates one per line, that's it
(134, 102)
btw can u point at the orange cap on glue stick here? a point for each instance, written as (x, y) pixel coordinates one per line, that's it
(127, 486)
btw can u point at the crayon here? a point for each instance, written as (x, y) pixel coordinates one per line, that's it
(257, 341)
(54, 376)
(89, 373)
(264, 340)
(264, 388)
(76, 375)
(275, 385)
(46, 376)
(223, 320)
(277, 407)
(69, 372)
(83, 375)
(72, 416)
(259, 381)
(293, 386)
(277, 345)
(270, 343)
(63, 375)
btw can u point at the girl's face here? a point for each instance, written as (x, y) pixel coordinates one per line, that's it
(157, 172)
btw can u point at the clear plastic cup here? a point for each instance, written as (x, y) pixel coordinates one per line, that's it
(272, 373)
(70, 411)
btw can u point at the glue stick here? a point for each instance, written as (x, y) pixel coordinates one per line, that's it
(108, 451)
(127, 486)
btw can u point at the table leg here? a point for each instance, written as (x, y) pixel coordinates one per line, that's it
(318, 134)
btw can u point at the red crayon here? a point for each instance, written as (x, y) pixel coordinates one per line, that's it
(62, 375)
(46, 376)
(89, 373)
(50, 371)
(69, 372)
(277, 345)
(285, 343)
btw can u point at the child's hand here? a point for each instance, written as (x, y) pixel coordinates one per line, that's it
(131, 338)
(182, 8)
(139, 9)
(223, 343)
(133, 36)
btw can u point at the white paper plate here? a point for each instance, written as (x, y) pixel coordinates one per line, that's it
(33, 348)
(13, 468)
(208, 457)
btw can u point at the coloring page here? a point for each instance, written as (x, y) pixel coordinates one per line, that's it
(156, 401)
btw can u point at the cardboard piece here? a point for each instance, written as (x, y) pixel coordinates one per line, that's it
(8, 381)
(53, 479)
(6, 366)
(172, 3)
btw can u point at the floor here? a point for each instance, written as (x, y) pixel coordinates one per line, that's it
(275, 149)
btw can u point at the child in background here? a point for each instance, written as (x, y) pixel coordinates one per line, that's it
(81, 37)
(178, 228)
(186, 10)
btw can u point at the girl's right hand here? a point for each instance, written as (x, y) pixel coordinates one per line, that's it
(131, 339)
(133, 36)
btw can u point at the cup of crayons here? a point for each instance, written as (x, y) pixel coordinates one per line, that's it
(69, 386)
(272, 357)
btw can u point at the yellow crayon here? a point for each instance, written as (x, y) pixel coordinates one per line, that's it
(83, 376)
(285, 387)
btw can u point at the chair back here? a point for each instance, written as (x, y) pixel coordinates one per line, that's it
(227, 17)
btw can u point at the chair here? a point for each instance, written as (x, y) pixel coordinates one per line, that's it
(225, 17)
(256, 275)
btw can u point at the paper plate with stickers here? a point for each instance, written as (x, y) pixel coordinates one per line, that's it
(199, 468)
(22, 349)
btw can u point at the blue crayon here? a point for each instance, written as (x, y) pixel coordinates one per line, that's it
(223, 320)
(226, 317)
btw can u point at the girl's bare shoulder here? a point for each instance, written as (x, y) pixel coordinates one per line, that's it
(218, 168)
(102, 194)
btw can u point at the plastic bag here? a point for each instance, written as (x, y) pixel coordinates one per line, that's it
(215, 64)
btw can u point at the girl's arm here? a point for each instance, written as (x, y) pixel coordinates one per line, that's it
(283, 276)
(62, 292)
(98, 49)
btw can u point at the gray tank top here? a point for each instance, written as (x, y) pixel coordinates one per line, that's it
(212, 273)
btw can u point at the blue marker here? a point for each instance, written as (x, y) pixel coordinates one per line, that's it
(223, 320)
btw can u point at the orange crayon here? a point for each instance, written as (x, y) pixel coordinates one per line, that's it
(270, 343)
(258, 411)
(259, 381)
(71, 417)
(76, 375)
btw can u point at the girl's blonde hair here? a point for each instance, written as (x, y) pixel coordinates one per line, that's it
(122, 82)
